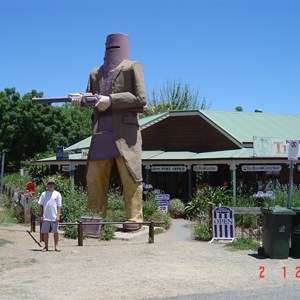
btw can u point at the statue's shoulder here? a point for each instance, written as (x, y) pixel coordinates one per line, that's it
(96, 70)
(129, 63)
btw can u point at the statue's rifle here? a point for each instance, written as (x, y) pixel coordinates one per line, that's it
(87, 100)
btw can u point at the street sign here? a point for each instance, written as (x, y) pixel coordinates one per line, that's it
(293, 149)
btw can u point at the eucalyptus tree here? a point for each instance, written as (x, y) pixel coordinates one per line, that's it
(174, 95)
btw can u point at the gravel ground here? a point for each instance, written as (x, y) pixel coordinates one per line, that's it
(175, 265)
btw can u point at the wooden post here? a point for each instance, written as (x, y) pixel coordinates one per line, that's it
(151, 232)
(27, 209)
(41, 235)
(211, 207)
(80, 234)
(32, 222)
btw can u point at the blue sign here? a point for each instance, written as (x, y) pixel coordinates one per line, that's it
(59, 152)
(163, 203)
(162, 197)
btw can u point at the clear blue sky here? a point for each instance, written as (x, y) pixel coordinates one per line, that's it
(235, 53)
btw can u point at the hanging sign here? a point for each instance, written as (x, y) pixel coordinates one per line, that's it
(261, 168)
(168, 168)
(223, 224)
(207, 168)
(66, 168)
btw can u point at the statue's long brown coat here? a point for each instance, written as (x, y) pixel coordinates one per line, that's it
(127, 98)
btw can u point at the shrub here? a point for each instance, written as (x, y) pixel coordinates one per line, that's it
(201, 230)
(16, 181)
(71, 232)
(149, 208)
(115, 200)
(115, 216)
(7, 213)
(160, 216)
(176, 207)
(199, 203)
(107, 232)
(74, 205)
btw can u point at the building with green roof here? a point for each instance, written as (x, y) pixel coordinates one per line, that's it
(185, 148)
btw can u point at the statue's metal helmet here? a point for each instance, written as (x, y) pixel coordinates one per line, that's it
(116, 50)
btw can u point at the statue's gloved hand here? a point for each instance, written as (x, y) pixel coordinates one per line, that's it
(76, 99)
(103, 103)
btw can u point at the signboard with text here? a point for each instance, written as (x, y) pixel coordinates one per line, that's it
(261, 168)
(293, 149)
(59, 152)
(270, 147)
(223, 224)
(203, 168)
(84, 153)
(168, 168)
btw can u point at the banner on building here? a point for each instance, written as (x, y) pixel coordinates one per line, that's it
(223, 224)
(270, 147)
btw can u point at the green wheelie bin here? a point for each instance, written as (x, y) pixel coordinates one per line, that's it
(295, 237)
(276, 232)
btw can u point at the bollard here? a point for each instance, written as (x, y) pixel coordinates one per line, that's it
(32, 222)
(151, 232)
(80, 234)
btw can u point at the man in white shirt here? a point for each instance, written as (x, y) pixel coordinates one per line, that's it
(50, 207)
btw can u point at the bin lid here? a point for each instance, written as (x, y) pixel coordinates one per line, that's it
(296, 210)
(278, 211)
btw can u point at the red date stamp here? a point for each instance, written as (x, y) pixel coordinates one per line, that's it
(284, 270)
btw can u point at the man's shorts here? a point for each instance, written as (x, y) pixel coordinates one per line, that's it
(49, 227)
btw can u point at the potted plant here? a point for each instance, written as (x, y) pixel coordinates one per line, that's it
(176, 208)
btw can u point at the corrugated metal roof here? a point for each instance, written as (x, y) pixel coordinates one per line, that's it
(80, 145)
(149, 154)
(175, 155)
(238, 153)
(185, 155)
(244, 125)
(172, 155)
(148, 121)
(75, 156)
(241, 126)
